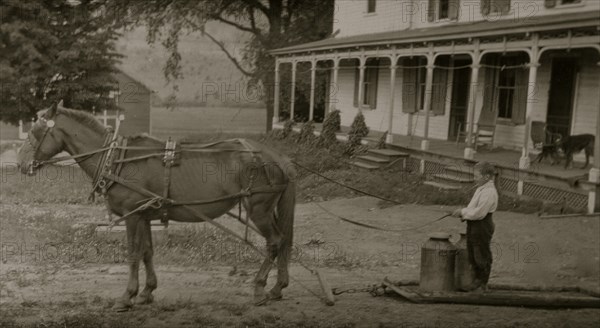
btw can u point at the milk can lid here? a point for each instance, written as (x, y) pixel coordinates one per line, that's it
(439, 235)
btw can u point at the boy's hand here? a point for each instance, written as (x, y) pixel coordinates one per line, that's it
(457, 213)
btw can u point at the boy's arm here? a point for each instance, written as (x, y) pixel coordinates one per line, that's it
(486, 202)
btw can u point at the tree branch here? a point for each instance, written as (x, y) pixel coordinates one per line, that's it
(221, 46)
(258, 5)
(236, 25)
(229, 55)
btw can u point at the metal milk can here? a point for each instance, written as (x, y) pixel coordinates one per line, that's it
(464, 274)
(437, 263)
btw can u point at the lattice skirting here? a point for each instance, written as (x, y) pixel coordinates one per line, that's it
(545, 193)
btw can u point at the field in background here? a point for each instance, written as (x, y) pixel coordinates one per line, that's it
(182, 122)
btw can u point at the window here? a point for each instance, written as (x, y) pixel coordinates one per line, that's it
(506, 96)
(443, 10)
(554, 3)
(495, 7)
(506, 92)
(369, 84)
(569, 2)
(371, 6)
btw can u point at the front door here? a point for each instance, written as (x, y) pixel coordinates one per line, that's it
(560, 99)
(460, 98)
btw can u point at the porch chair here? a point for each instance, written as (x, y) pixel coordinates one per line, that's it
(483, 134)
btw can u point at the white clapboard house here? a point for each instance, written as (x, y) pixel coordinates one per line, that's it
(463, 80)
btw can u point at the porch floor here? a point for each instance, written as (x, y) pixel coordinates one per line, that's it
(501, 156)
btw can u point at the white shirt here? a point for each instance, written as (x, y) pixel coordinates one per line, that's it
(484, 201)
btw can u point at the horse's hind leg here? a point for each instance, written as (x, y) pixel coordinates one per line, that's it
(145, 297)
(134, 245)
(261, 213)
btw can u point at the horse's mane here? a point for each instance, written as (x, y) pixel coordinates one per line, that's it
(84, 118)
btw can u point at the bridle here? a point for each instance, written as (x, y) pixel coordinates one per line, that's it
(37, 144)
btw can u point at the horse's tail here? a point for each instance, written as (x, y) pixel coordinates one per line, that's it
(285, 221)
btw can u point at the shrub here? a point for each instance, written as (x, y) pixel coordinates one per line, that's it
(307, 135)
(287, 129)
(331, 125)
(358, 130)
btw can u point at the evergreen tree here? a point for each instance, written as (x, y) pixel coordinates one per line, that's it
(52, 50)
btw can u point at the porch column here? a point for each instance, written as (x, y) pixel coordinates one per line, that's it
(428, 96)
(594, 193)
(475, 66)
(276, 94)
(393, 68)
(293, 91)
(334, 85)
(361, 82)
(313, 76)
(533, 68)
(427, 106)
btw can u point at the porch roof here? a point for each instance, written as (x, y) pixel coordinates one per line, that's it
(455, 31)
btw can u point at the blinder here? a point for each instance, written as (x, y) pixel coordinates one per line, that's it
(36, 144)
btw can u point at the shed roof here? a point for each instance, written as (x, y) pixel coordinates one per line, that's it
(454, 31)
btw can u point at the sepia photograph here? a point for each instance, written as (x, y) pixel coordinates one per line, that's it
(299, 163)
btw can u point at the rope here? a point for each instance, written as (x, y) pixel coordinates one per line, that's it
(347, 186)
(364, 225)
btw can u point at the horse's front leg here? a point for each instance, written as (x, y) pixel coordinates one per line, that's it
(145, 297)
(134, 246)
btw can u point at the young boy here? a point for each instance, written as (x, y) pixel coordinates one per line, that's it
(480, 226)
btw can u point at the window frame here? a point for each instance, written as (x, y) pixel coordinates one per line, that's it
(438, 9)
(371, 6)
(495, 9)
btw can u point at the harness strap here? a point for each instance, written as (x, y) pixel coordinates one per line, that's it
(168, 160)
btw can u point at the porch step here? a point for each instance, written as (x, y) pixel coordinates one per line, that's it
(441, 185)
(372, 160)
(387, 154)
(365, 165)
(465, 172)
(452, 179)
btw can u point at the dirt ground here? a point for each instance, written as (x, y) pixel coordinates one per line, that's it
(39, 290)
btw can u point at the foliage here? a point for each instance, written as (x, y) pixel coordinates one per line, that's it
(307, 133)
(288, 127)
(273, 24)
(358, 130)
(54, 50)
(331, 125)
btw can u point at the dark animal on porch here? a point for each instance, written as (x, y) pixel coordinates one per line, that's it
(549, 151)
(572, 145)
(211, 172)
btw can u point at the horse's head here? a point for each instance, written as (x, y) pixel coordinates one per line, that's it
(45, 139)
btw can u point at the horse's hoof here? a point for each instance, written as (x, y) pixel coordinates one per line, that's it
(139, 300)
(261, 302)
(121, 306)
(274, 296)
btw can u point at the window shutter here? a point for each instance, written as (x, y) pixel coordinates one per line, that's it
(409, 87)
(431, 10)
(485, 7)
(356, 78)
(520, 101)
(488, 111)
(550, 3)
(440, 84)
(454, 9)
(374, 78)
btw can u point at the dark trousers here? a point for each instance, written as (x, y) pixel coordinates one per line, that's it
(479, 237)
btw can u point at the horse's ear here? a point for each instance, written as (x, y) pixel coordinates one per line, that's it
(52, 111)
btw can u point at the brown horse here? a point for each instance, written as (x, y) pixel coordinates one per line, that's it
(226, 169)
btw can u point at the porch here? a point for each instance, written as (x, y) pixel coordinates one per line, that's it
(551, 183)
